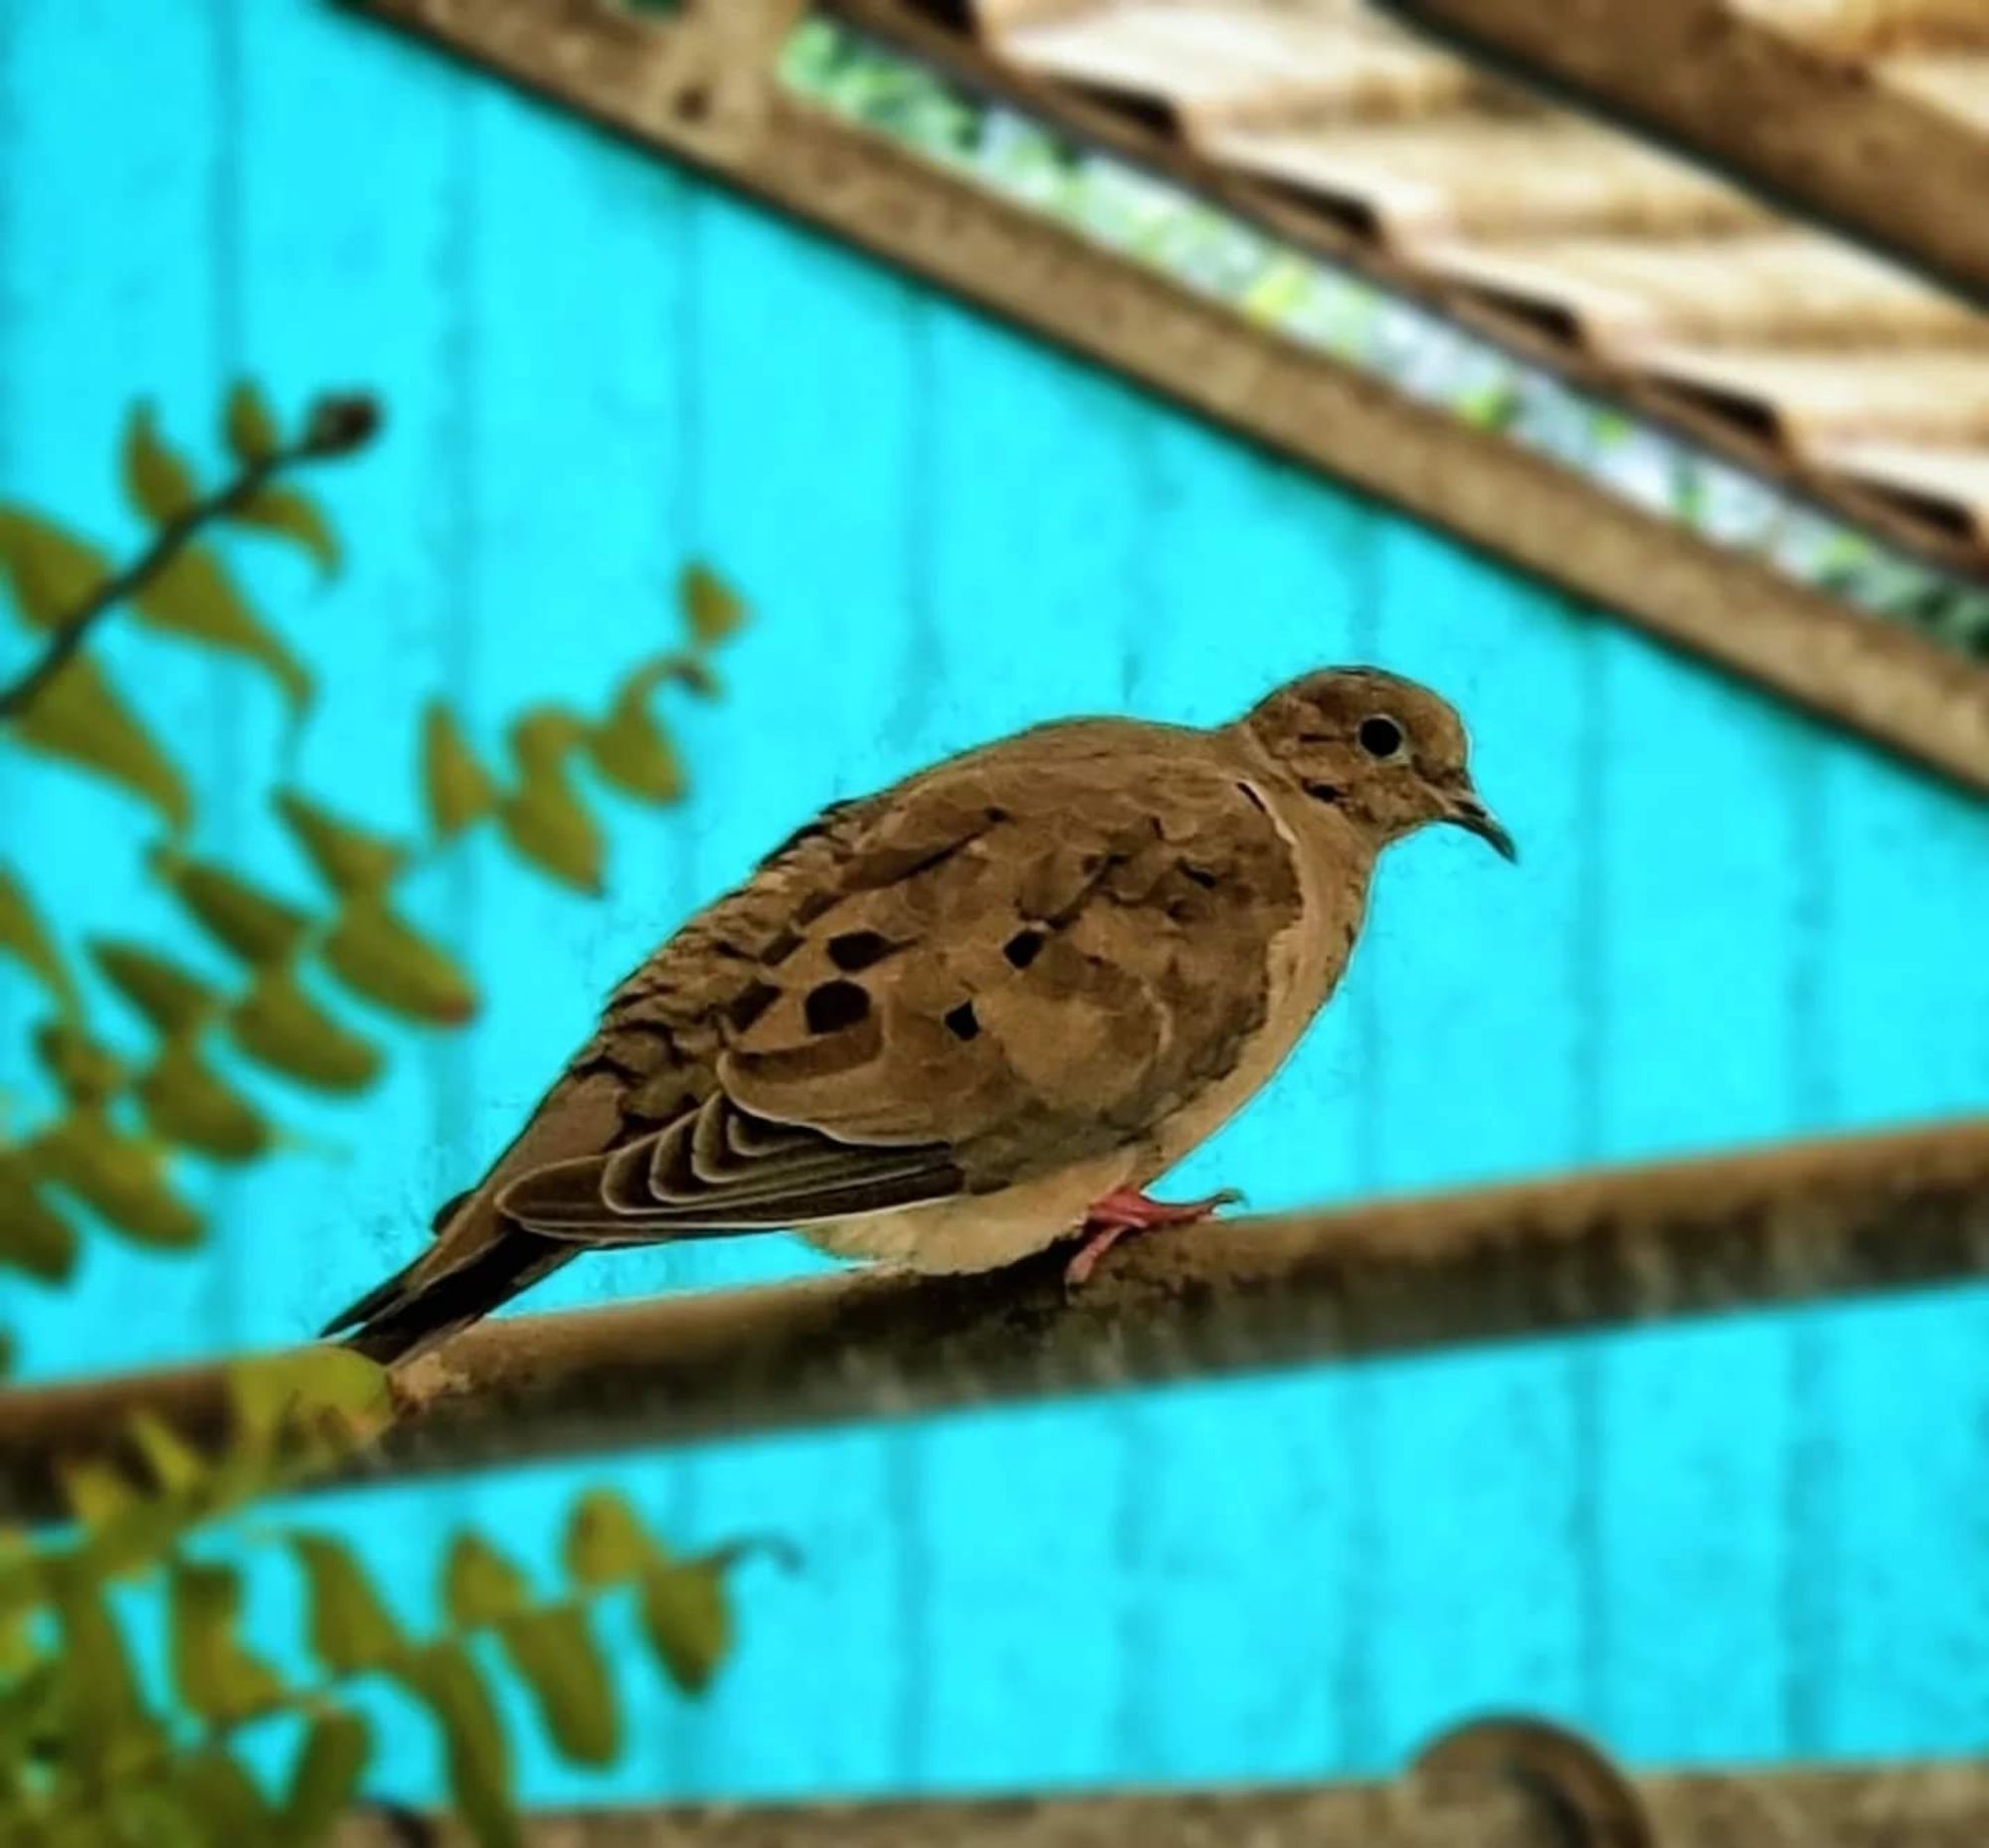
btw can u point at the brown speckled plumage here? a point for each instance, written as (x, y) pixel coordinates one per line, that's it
(937, 1022)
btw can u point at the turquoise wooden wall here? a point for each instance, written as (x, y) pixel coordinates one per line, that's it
(1762, 1537)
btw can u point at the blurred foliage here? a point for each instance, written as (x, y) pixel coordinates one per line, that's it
(1217, 253)
(127, 1116)
(134, 1714)
(127, 1690)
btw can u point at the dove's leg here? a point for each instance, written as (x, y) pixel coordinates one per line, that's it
(1127, 1210)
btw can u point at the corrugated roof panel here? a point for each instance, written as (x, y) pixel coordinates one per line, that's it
(1623, 295)
(1812, 398)
(1871, 25)
(1254, 62)
(1779, 335)
(1465, 175)
(1950, 485)
(1956, 83)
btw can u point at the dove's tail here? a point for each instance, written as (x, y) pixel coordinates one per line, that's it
(421, 1307)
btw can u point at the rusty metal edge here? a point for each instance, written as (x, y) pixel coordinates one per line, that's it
(1931, 1804)
(1808, 129)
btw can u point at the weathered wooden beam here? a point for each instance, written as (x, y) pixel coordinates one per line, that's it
(1603, 1247)
(1813, 128)
(649, 84)
(1511, 1784)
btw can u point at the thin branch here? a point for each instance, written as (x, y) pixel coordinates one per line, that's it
(335, 426)
(1795, 1223)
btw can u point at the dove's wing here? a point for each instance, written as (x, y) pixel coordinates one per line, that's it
(1029, 955)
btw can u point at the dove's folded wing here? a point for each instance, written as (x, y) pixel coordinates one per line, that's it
(1013, 964)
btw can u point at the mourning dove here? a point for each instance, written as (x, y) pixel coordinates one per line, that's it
(952, 1023)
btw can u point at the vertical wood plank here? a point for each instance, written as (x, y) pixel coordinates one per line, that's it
(1703, 938)
(1476, 980)
(112, 295)
(1891, 1467)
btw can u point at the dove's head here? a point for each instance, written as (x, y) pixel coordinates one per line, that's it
(1390, 755)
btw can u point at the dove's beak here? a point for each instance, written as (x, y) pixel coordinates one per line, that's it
(1468, 813)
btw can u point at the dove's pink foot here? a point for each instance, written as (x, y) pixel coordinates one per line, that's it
(1127, 1210)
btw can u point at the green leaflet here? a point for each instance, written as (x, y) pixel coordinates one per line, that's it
(195, 598)
(480, 1585)
(122, 1177)
(27, 940)
(280, 1027)
(605, 1544)
(249, 425)
(80, 718)
(158, 480)
(544, 818)
(188, 1104)
(170, 999)
(710, 606)
(34, 1236)
(630, 749)
(348, 1628)
(379, 956)
(688, 1619)
(324, 1778)
(87, 1071)
(557, 1655)
(51, 570)
(348, 858)
(215, 1675)
(174, 1465)
(289, 514)
(259, 928)
(459, 791)
(221, 1800)
(444, 1679)
(270, 1394)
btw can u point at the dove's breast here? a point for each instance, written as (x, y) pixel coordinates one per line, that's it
(1304, 962)
(1290, 973)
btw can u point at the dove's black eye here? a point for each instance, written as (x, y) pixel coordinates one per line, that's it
(1380, 736)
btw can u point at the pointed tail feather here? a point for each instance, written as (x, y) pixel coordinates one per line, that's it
(418, 1308)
